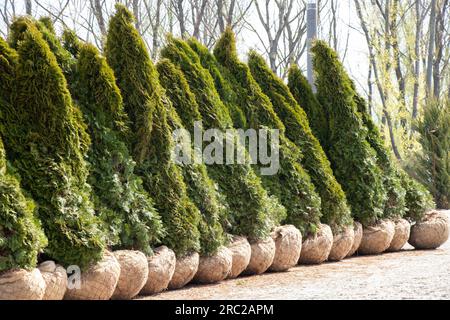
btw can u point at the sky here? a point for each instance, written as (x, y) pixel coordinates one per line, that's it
(355, 60)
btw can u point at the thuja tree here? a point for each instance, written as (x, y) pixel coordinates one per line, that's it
(292, 185)
(201, 189)
(335, 210)
(304, 96)
(223, 87)
(291, 171)
(44, 140)
(47, 31)
(21, 234)
(151, 141)
(395, 203)
(252, 212)
(354, 162)
(119, 198)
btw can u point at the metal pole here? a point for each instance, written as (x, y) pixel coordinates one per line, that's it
(311, 23)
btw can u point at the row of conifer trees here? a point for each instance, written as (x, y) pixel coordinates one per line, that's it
(87, 158)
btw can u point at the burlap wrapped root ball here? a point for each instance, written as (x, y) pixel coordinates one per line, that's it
(263, 253)
(377, 238)
(431, 232)
(133, 274)
(212, 269)
(241, 252)
(55, 277)
(288, 245)
(358, 233)
(316, 249)
(98, 282)
(185, 269)
(342, 243)
(401, 235)
(22, 285)
(161, 267)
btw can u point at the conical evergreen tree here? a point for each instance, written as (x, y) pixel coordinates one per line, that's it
(306, 99)
(292, 185)
(335, 211)
(21, 234)
(354, 162)
(152, 144)
(47, 31)
(43, 137)
(201, 189)
(395, 205)
(120, 200)
(252, 212)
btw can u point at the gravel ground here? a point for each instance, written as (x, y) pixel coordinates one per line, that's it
(409, 274)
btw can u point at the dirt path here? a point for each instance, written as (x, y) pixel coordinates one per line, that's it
(408, 274)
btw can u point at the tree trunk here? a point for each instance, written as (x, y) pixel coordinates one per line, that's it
(98, 13)
(28, 7)
(417, 59)
(431, 46)
(220, 19)
(137, 15)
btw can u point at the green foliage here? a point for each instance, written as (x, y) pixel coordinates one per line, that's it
(21, 234)
(303, 94)
(127, 55)
(353, 161)
(71, 42)
(335, 211)
(127, 210)
(418, 199)
(292, 185)
(21, 24)
(146, 105)
(432, 164)
(48, 23)
(201, 189)
(395, 205)
(43, 136)
(226, 92)
(252, 212)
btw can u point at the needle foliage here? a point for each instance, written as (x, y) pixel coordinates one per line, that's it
(127, 210)
(146, 104)
(335, 211)
(292, 184)
(353, 160)
(47, 144)
(252, 212)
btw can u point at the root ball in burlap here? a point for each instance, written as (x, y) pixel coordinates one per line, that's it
(401, 236)
(358, 233)
(288, 245)
(431, 232)
(214, 268)
(263, 253)
(241, 252)
(133, 274)
(377, 238)
(55, 277)
(22, 285)
(185, 270)
(342, 244)
(98, 282)
(316, 249)
(161, 267)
